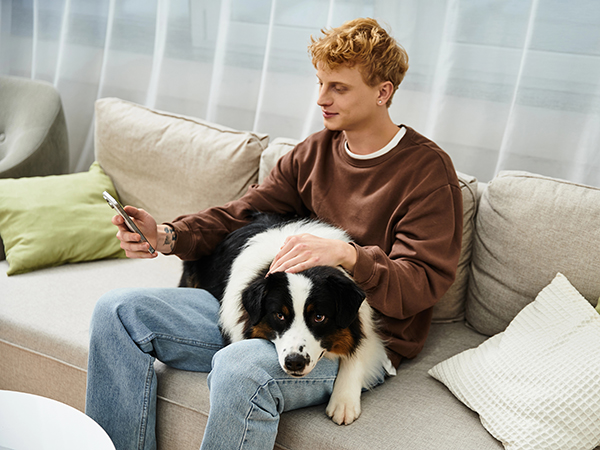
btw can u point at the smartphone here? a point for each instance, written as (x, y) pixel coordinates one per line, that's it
(114, 204)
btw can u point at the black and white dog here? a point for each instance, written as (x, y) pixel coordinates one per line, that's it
(315, 313)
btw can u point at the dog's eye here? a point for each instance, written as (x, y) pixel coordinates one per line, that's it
(319, 318)
(280, 316)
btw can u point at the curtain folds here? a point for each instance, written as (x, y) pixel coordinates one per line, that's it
(499, 84)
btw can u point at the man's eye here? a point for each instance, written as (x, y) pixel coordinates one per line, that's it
(319, 318)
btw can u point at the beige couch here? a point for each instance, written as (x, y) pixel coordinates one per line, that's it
(520, 230)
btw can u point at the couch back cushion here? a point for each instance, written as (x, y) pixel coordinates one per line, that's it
(528, 228)
(451, 307)
(276, 149)
(169, 164)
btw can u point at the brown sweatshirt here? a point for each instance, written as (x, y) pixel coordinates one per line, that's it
(403, 211)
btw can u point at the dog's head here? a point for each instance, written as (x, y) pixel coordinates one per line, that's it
(305, 315)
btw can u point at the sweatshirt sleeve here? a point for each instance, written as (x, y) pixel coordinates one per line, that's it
(422, 262)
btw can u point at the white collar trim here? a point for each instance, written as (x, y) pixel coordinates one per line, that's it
(393, 143)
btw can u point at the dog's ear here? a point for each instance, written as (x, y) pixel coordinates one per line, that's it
(253, 300)
(255, 295)
(348, 298)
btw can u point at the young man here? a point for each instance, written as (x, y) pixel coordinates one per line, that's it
(393, 190)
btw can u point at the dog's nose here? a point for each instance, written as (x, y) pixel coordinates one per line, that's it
(295, 362)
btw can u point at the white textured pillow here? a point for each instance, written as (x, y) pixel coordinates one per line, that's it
(537, 384)
(172, 165)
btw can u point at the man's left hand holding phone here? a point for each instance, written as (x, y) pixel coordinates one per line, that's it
(137, 229)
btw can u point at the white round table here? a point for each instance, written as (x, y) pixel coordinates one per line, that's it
(29, 422)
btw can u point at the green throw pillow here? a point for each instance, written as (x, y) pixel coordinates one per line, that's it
(49, 221)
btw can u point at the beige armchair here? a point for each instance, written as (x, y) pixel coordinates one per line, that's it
(33, 131)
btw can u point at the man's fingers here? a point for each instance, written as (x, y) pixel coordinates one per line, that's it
(141, 254)
(137, 249)
(294, 256)
(124, 235)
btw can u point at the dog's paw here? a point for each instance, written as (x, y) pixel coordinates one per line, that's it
(343, 410)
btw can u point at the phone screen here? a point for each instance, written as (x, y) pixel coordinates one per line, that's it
(114, 204)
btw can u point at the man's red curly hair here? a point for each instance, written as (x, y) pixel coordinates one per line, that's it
(363, 43)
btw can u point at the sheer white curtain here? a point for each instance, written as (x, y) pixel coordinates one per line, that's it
(499, 84)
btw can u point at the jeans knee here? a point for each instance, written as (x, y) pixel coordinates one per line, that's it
(108, 305)
(245, 369)
(233, 362)
(104, 308)
(110, 308)
(246, 357)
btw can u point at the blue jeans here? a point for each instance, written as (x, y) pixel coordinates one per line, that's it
(131, 328)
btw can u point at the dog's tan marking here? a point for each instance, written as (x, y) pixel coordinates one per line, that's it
(261, 331)
(343, 342)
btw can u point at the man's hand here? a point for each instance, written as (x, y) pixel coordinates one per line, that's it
(132, 242)
(303, 251)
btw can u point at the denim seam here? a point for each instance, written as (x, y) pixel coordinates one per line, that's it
(276, 381)
(303, 380)
(179, 340)
(144, 421)
(247, 418)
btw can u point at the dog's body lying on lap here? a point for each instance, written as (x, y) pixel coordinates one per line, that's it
(315, 313)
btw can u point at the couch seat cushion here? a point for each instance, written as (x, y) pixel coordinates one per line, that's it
(49, 311)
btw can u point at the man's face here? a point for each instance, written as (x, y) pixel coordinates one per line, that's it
(346, 101)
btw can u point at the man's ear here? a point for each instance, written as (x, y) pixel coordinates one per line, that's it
(253, 300)
(386, 90)
(348, 298)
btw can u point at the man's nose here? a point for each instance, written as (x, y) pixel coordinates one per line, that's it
(324, 99)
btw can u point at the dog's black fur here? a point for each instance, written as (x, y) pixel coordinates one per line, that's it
(211, 272)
